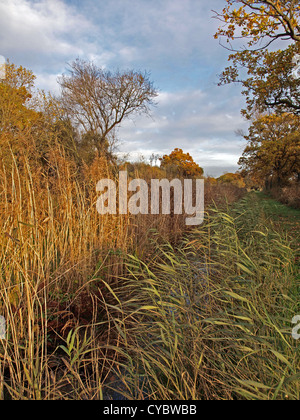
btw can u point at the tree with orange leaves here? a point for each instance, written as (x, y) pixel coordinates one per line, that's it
(181, 163)
(260, 22)
(266, 76)
(273, 150)
(17, 119)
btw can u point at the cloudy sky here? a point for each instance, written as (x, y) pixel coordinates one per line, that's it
(171, 39)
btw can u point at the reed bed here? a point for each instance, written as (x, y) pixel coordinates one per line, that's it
(211, 319)
(121, 306)
(52, 242)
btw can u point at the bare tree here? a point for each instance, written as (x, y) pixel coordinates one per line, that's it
(153, 159)
(98, 100)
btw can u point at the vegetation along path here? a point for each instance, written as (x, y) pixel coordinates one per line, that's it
(209, 318)
(212, 319)
(283, 218)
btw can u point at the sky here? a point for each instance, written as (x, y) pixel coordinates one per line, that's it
(173, 40)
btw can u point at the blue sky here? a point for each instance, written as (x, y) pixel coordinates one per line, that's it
(171, 39)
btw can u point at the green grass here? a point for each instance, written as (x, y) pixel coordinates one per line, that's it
(285, 219)
(211, 319)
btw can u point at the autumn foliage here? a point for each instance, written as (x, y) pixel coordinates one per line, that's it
(234, 179)
(266, 75)
(270, 85)
(181, 163)
(273, 150)
(260, 22)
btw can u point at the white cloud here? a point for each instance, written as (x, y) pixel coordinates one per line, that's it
(42, 35)
(208, 134)
(173, 39)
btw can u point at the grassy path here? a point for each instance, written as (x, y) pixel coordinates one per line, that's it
(284, 219)
(213, 317)
(279, 218)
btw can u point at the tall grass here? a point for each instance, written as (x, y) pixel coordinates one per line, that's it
(102, 306)
(289, 195)
(212, 318)
(53, 244)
